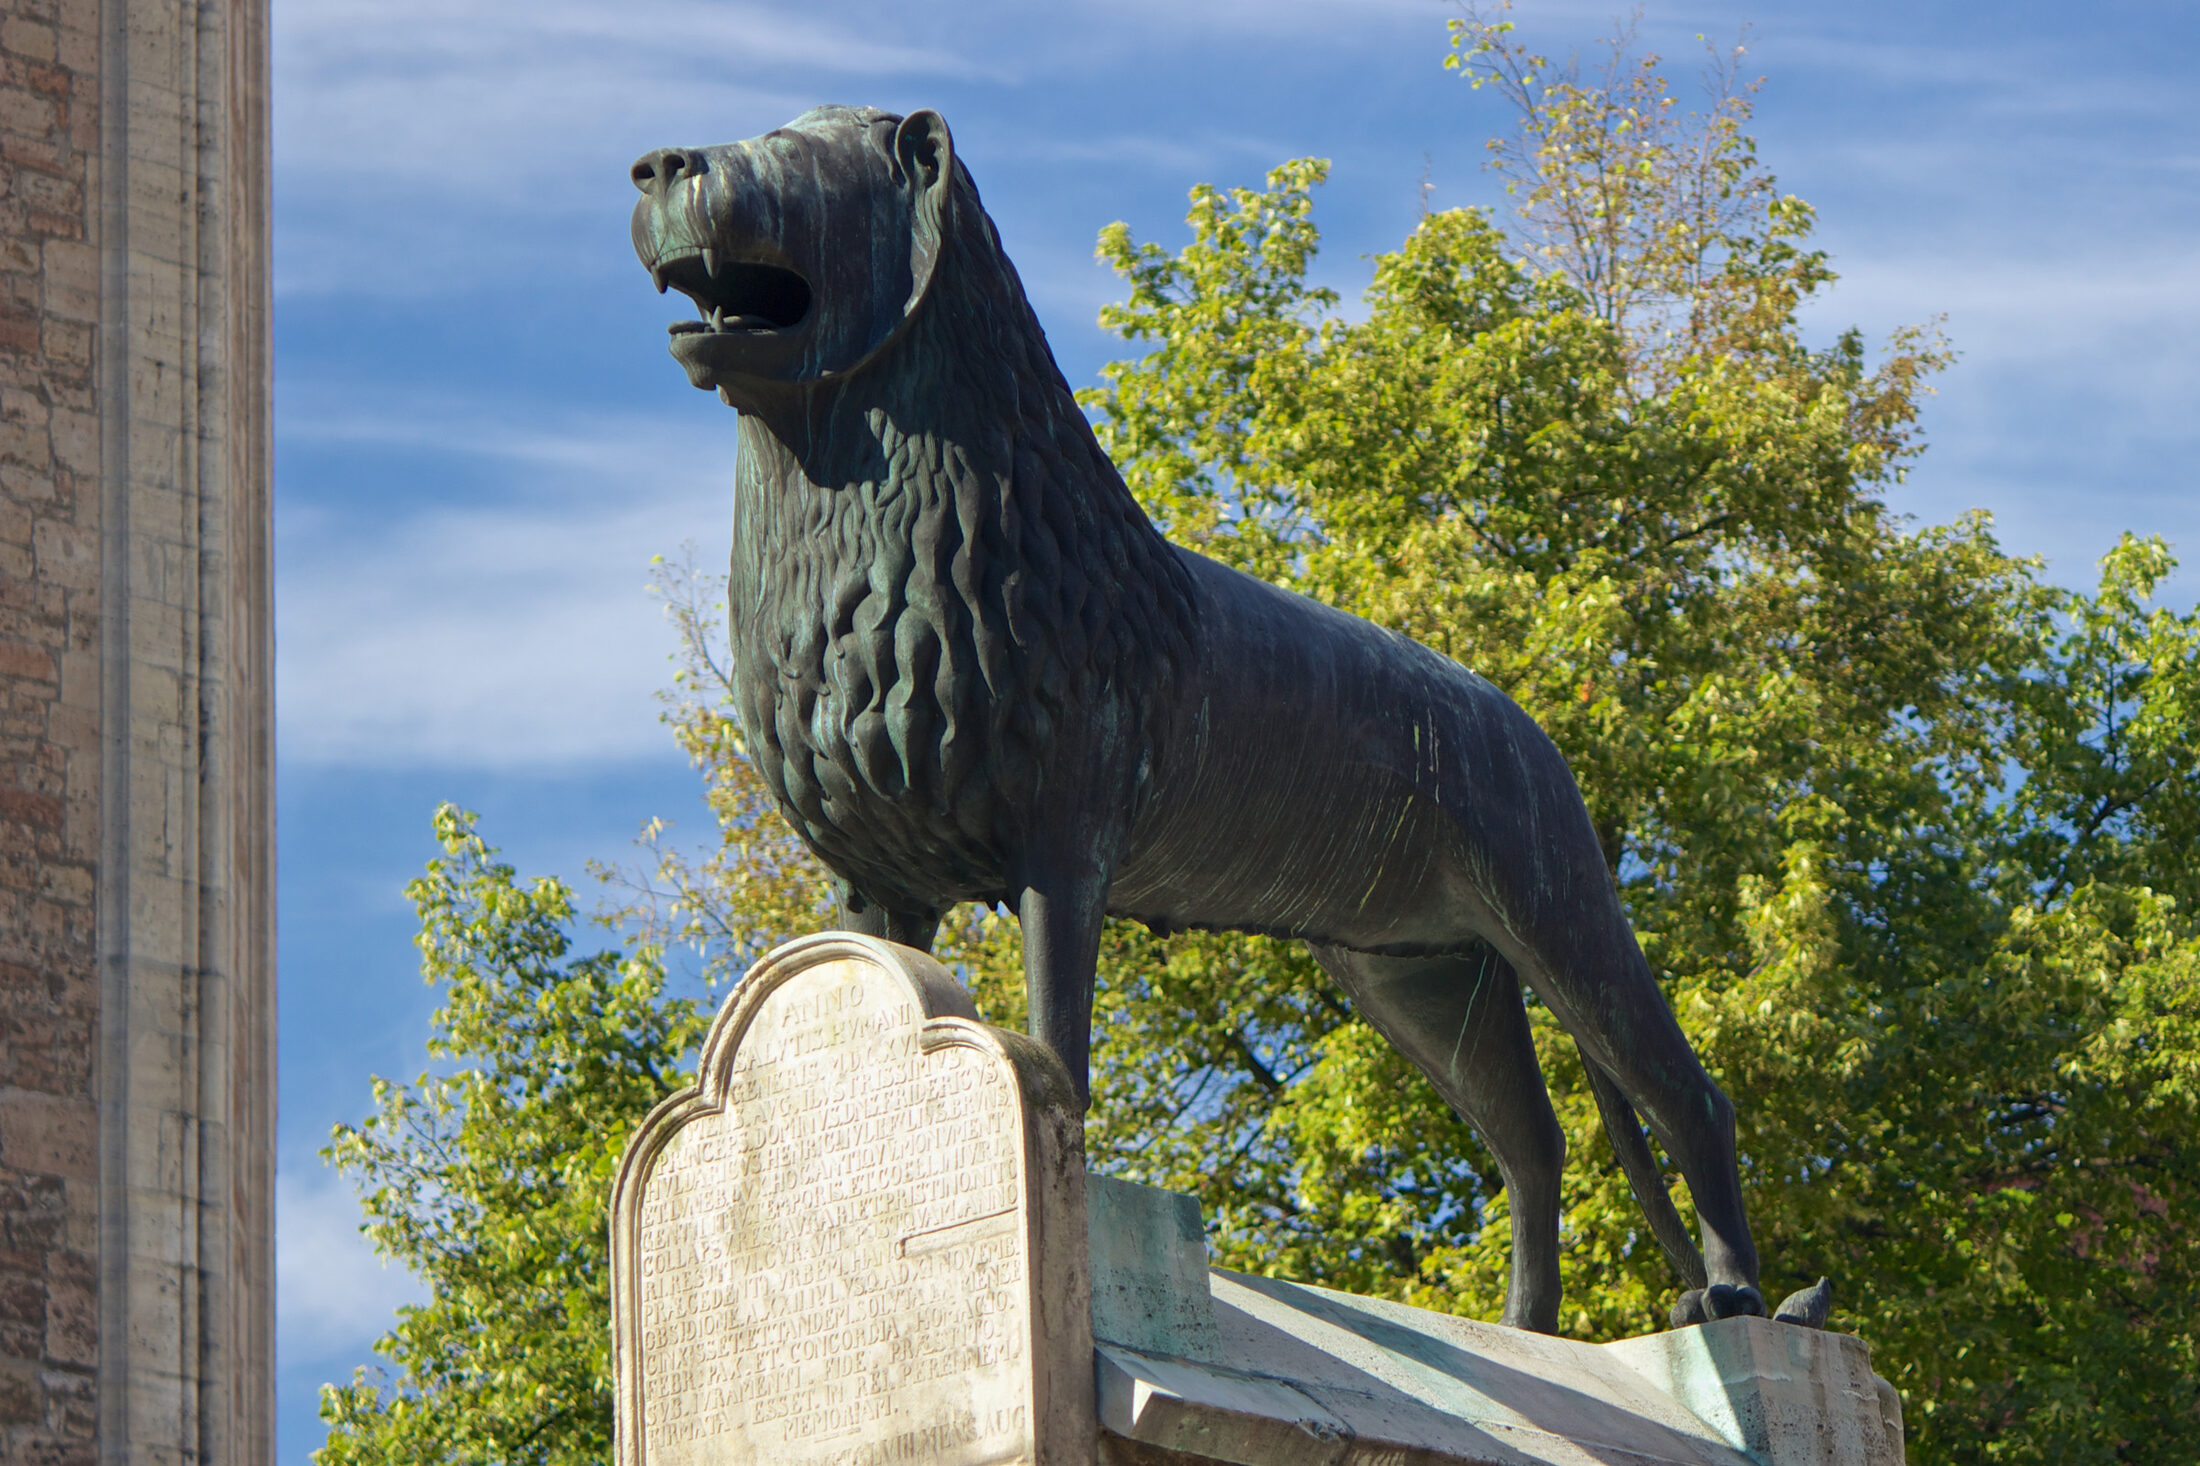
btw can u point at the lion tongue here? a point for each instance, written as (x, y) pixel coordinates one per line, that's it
(724, 320)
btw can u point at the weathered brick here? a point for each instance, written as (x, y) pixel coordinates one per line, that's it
(68, 554)
(45, 155)
(25, 37)
(73, 1447)
(32, 1225)
(43, 192)
(18, 660)
(22, 1301)
(72, 1312)
(23, 112)
(67, 341)
(73, 438)
(76, 46)
(23, 406)
(69, 280)
(48, 1135)
(21, 1401)
(19, 330)
(29, 809)
(48, 224)
(71, 885)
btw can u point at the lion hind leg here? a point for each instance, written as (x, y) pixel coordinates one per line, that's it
(918, 929)
(1643, 1176)
(1589, 970)
(1461, 1021)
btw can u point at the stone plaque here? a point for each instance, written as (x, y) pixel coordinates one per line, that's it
(859, 1240)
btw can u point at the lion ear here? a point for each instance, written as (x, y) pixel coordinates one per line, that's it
(925, 155)
(925, 151)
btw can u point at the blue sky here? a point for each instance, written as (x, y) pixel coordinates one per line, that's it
(481, 440)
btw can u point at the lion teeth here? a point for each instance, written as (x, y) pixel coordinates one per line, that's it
(710, 262)
(657, 273)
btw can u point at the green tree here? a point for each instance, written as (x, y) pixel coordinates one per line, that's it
(488, 1176)
(1903, 827)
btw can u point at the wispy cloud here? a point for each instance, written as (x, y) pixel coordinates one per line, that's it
(1176, 152)
(2013, 78)
(352, 34)
(333, 1295)
(428, 143)
(423, 146)
(1267, 18)
(505, 632)
(473, 98)
(2020, 308)
(2069, 411)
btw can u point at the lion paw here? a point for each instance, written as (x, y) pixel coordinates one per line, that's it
(1720, 1300)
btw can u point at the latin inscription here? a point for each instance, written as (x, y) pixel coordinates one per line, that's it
(833, 1269)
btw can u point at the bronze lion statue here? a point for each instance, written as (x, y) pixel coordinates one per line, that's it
(971, 669)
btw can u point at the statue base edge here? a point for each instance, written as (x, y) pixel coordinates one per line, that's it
(1261, 1372)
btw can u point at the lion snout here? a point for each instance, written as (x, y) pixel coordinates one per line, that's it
(659, 170)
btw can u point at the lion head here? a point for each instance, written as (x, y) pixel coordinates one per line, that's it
(788, 243)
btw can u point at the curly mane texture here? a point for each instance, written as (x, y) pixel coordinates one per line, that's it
(933, 579)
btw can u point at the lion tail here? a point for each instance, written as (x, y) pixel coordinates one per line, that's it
(1643, 1176)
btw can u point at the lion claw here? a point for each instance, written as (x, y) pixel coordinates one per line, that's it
(1807, 1307)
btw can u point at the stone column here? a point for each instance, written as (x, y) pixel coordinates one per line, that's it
(136, 817)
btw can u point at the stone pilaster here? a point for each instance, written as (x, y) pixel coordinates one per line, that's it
(185, 934)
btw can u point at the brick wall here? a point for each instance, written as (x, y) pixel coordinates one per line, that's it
(136, 723)
(49, 729)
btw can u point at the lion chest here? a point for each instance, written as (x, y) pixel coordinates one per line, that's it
(865, 707)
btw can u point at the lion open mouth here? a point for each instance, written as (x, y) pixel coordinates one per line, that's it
(735, 295)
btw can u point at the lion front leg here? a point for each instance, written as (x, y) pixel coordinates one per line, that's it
(1061, 913)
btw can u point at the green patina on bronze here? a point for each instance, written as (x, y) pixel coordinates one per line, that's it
(971, 669)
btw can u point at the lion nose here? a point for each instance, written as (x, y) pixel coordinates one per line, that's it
(666, 167)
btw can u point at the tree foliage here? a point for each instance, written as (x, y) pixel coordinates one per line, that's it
(1903, 828)
(488, 1176)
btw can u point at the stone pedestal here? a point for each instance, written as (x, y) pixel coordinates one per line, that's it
(866, 1237)
(1279, 1374)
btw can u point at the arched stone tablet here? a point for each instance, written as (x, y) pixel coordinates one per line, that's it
(859, 1239)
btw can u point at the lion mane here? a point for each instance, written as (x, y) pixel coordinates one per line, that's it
(953, 570)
